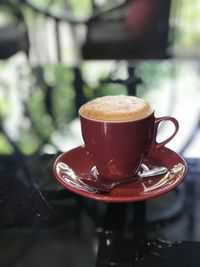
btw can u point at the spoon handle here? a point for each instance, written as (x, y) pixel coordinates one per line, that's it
(153, 172)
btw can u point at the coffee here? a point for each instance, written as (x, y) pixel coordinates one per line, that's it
(116, 108)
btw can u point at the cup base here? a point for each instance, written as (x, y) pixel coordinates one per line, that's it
(95, 174)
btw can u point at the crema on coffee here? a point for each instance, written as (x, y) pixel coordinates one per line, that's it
(116, 108)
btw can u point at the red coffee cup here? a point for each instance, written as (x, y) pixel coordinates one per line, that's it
(118, 148)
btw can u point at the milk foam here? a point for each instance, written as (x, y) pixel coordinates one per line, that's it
(116, 108)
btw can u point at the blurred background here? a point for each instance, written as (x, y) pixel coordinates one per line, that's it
(57, 54)
(54, 56)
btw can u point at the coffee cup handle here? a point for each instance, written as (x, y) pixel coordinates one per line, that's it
(157, 145)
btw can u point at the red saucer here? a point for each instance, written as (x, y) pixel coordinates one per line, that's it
(80, 163)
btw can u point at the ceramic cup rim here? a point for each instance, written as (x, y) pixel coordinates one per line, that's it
(113, 121)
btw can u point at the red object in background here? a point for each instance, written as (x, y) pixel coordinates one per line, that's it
(140, 15)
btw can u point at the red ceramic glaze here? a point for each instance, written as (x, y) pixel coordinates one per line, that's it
(117, 149)
(80, 163)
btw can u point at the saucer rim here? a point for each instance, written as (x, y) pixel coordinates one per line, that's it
(120, 199)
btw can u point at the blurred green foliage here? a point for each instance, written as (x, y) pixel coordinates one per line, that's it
(187, 25)
(5, 146)
(78, 8)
